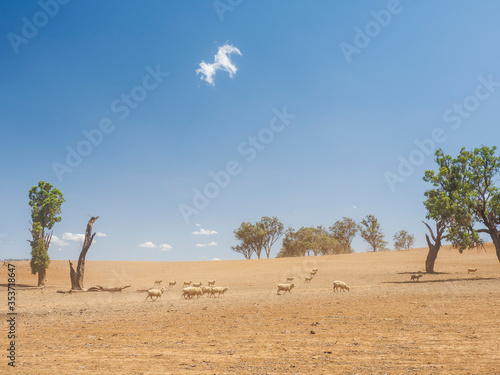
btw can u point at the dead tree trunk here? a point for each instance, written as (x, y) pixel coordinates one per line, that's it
(433, 247)
(77, 276)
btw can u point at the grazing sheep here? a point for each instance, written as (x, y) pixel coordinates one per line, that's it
(186, 283)
(471, 270)
(172, 283)
(191, 291)
(308, 279)
(289, 279)
(154, 293)
(285, 287)
(211, 282)
(314, 270)
(158, 282)
(340, 285)
(197, 285)
(312, 274)
(206, 290)
(219, 290)
(416, 277)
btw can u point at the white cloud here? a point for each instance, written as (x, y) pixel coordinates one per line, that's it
(79, 237)
(206, 244)
(99, 234)
(221, 62)
(165, 247)
(205, 231)
(60, 249)
(215, 258)
(57, 241)
(198, 225)
(148, 245)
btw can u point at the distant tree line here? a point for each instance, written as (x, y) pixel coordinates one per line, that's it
(337, 239)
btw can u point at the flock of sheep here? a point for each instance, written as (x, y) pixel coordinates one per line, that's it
(289, 285)
(189, 290)
(197, 290)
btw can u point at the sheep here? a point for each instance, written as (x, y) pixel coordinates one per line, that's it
(286, 287)
(172, 283)
(471, 270)
(154, 293)
(416, 277)
(340, 285)
(314, 270)
(312, 274)
(186, 283)
(191, 291)
(197, 285)
(289, 279)
(206, 290)
(211, 282)
(158, 282)
(219, 290)
(308, 279)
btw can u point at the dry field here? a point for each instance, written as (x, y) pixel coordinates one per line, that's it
(447, 323)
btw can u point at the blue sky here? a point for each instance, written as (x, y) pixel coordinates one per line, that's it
(337, 94)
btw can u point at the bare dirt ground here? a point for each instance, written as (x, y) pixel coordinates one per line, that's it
(447, 323)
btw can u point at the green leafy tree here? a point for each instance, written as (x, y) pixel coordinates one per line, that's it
(403, 240)
(468, 181)
(370, 232)
(309, 239)
(272, 230)
(344, 231)
(45, 202)
(252, 240)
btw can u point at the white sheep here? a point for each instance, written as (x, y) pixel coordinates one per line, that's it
(340, 285)
(158, 282)
(289, 279)
(219, 290)
(186, 283)
(471, 270)
(155, 293)
(416, 277)
(211, 282)
(206, 290)
(308, 279)
(197, 285)
(285, 287)
(191, 291)
(172, 283)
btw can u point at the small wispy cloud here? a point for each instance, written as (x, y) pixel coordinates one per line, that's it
(206, 244)
(148, 245)
(165, 247)
(57, 241)
(198, 225)
(205, 231)
(222, 61)
(215, 258)
(99, 234)
(78, 237)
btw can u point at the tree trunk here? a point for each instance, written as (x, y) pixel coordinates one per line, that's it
(77, 276)
(433, 247)
(496, 242)
(42, 276)
(431, 258)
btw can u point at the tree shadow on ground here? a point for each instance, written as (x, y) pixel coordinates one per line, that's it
(440, 281)
(423, 273)
(18, 285)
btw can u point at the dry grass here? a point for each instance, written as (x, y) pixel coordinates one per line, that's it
(447, 323)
